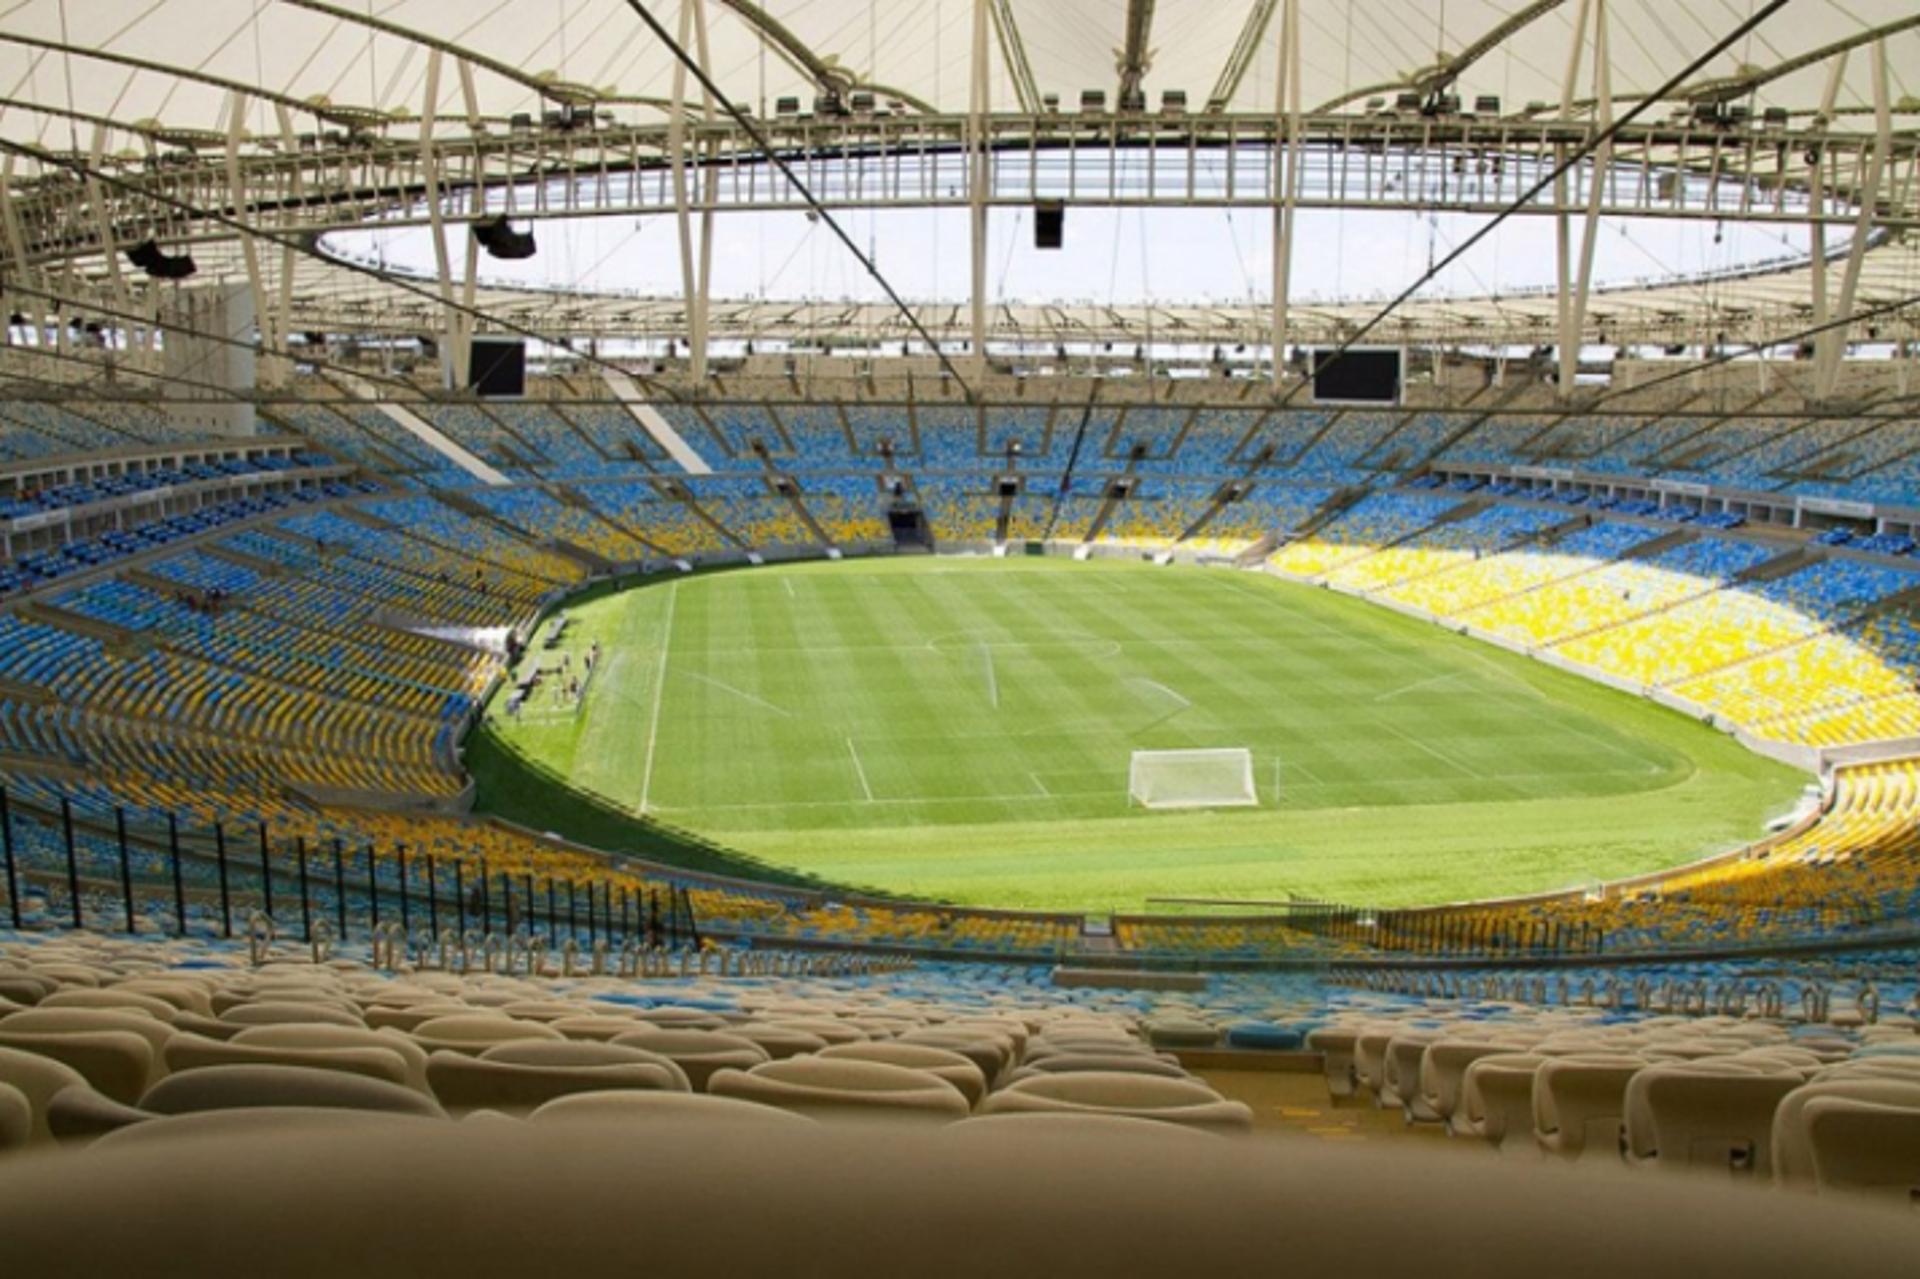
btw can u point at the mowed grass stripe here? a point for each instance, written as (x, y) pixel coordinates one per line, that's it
(1394, 739)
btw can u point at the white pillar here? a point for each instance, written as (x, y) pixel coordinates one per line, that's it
(1827, 371)
(978, 104)
(1289, 165)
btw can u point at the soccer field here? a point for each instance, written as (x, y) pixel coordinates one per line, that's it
(961, 729)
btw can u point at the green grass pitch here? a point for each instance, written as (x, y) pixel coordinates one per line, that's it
(960, 729)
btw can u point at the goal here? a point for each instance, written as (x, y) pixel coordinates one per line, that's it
(1192, 779)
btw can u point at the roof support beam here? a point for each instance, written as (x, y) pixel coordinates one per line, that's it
(1738, 86)
(1013, 51)
(1827, 372)
(1135, 58)
(1445, 73)
(552, 91)
(1252, 32)
(346, 116)
(1289, 164)
(794, 49)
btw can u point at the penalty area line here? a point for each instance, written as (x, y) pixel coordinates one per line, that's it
(858, 771)
(742, 693)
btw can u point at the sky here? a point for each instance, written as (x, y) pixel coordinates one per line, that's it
(1117, 256)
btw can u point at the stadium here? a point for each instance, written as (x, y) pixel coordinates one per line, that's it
(1074, 635)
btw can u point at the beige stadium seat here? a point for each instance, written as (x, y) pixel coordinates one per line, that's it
(81, 1114)
(700, 1053)
(652, 1108)
(69, 1021)
(1181, 1032)
(835, 1030)
(1370, 1064)
(38, 1078)
(1792, 1147)
(26, 989)
(682, 1018)
(240, 1087)
(410, 1017)
(284, 1012)
(823, 1086)
(778, 1041)
(476, 1032)
(839, 1199)
(1443, 1070)
(516, 1077)
(116, 1063)
(190, 1052)
(1496, 1101)
(594, 1026)
(1400, 1074)
(941, 1062)
(1041, 1047)
(1862, 1067)
(1865, 1146)
(339, 1037)
(114, 997)
(1336, 1046)
(1705, 1114)
(1022, 1126)
(16, 1119)
(185, 994)
(1180, 1101)
(1579, 1104)
(989, 1050)
(1122, 1062)
(179, 1134)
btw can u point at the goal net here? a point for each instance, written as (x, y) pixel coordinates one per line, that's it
(1192, 779)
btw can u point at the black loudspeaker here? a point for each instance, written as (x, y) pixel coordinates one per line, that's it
(1049, 224)
(500, 240)
(161, 266)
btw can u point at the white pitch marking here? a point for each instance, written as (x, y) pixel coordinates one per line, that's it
(659, 696)
(1040, 785)
(1390, 694)
(993, 680)
(1152, 683)
(859, 771)
(741, 693)
(788, 583)
(1448, 760)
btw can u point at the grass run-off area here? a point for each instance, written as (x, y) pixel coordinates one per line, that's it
(960, 729)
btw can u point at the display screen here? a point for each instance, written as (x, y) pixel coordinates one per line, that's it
(498, 367)
(1362, 375)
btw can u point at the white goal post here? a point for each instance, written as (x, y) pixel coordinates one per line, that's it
(1220, 778)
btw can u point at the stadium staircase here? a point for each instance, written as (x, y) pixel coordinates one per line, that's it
(567, 495)
(586, 440)
(1328, 511)
(792, 494)
(683, 495)
(1214, 507)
